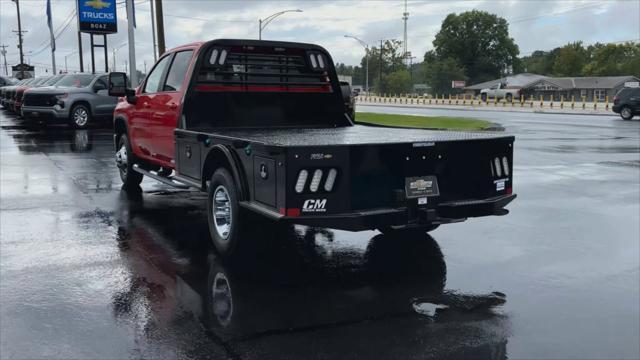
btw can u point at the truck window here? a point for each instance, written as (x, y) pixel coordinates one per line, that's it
(177, 71)
(152, 84)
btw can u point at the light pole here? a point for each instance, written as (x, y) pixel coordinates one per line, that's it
(366, 56)
(66, 69)
(114, 50)
(262, 23)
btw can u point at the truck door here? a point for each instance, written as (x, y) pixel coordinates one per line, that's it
(166, 106)
(139, 124)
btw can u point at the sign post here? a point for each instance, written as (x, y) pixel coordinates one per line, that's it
(97, 17)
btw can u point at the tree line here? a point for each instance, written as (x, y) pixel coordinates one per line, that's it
(475, 46)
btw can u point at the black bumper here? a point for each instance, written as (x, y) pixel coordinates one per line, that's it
(444, 213)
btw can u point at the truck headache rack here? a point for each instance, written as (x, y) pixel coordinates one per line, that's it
(263, 69)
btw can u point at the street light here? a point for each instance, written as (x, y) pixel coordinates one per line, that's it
(366, 56)
(114, 50)
(262, 23)
(66, 69)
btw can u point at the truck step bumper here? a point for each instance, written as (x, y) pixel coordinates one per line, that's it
(444, 213)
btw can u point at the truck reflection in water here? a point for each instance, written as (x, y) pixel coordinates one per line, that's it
(294, 293)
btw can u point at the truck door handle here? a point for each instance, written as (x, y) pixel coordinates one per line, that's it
(146, 105)
(173, 106)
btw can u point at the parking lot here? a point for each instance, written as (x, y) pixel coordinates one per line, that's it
(90, 271)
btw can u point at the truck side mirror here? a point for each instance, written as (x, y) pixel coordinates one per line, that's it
(118, 87)
(117, 84)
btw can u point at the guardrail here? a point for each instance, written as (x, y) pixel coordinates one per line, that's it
(469, 100)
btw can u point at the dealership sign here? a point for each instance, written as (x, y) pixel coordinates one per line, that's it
(97, 16)
(457, 84)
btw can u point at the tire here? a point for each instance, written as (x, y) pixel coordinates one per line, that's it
(483, 97)
(125, 159)
(80, 116)
(509, 97)
(626, 113)
(393, 230)
(223, 199)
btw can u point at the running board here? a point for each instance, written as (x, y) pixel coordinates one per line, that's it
(163, 179)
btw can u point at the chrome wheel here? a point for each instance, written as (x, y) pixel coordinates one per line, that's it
(80, 116)
(222, 301)
(222, 212)
(121, 158)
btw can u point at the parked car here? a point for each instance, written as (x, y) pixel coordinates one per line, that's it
(52, 80)
(6, 81)
(263, 126)
(349, 98)
(499, 91)
(16, 103)
(5, 91)
(9, 93)
(77, 99)
(627, 103)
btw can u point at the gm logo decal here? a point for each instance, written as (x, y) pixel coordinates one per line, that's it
(313, 205)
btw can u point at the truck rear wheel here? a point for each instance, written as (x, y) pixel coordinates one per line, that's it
(223, 212)
(124, 160)
(626, 113)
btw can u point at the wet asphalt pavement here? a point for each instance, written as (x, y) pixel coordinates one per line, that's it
(89, 271)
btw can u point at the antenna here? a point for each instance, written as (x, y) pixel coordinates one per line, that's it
(405, 17)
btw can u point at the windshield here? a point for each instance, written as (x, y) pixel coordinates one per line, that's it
(77, 80)
(53, 80)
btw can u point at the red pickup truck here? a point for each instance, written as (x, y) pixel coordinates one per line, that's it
(267, 127)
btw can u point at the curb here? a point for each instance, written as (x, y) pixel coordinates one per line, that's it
(534, 111)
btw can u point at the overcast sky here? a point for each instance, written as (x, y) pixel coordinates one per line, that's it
(533, 24)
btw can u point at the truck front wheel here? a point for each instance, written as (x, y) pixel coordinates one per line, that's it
(124, 160)
(223, 212)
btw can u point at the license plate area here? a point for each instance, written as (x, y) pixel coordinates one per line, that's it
(421, 186)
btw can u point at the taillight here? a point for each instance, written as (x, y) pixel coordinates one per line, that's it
(315, 181)
(496, 163)
(302, 181)
(328, 184)
(331, 179)
(505, 165)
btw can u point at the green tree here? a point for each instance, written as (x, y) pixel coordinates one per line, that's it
(439, 74)
(391, 61)
(570, 60)
(479, 41)
(614, 59)
(397, 82)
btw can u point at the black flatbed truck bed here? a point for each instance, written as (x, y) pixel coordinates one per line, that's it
(354, 135)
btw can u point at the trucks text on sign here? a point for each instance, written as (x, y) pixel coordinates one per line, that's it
(97, 16)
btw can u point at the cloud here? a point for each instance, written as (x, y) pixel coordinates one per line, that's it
(533, 24)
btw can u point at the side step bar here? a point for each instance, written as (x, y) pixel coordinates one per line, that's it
(163, 179)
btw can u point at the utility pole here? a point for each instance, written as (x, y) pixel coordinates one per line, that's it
(20, 38)
(4, 56)
(160, 25)
(133, 74)
(153, 30)
(81, 62)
